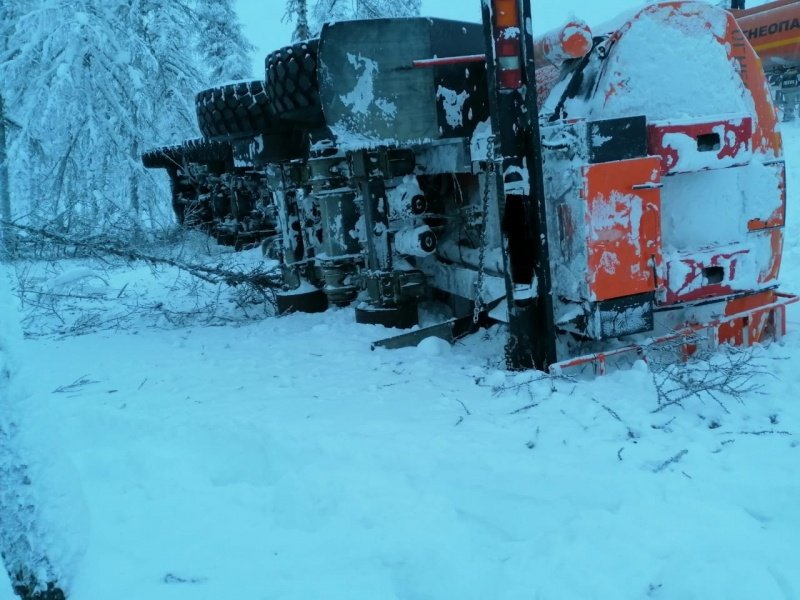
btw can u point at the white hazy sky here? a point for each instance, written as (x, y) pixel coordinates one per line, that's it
(262, 19)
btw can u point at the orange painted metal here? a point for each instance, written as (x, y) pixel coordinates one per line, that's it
(506, 13)
(772, 269)
(759, 9)
(774, 31)
(571, 40)
(622, 217)
(732, 135)
(775, 312)
(750, 328)
(766, 134)
(766, 137)
(624, 226)
(691, 282)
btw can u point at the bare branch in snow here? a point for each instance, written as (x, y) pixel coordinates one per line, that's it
(258, 279)
(75, 385)
(671, 461)
(730, 374)
(762, 432)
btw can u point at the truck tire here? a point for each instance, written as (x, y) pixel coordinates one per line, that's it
(166, 157)
(203, 151)
(291, 83)
(232, 111)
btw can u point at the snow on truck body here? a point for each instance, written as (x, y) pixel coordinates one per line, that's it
(666, 177)
(663, 175)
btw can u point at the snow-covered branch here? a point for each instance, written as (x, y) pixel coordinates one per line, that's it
(257, 278)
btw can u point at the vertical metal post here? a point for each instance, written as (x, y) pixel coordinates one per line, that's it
(545, 322)
(371, 188)
(520, 189)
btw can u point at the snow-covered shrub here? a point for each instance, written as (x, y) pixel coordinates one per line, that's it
(39, 532)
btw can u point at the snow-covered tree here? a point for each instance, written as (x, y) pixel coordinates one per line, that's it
(5, 191)
(96, 82)
(373, 9)
(339, 10)
(221, 43)
(297, 10)
(166, 74)
(8, 17)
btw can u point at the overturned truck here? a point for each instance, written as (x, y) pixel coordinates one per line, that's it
(633, 193)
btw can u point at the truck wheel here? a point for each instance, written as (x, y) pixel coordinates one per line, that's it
(201, 150)
(233, 110)
(166, 157)
(291, 83)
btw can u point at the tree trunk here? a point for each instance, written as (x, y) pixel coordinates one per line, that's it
(302, 30)
(135, 194)
(6, 232)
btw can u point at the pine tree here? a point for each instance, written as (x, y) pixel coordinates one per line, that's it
(225, 51)
(9, 14)
(373, 9)
(339, 10)
(99, 81)
(298, 10)
(163, 105)
(5, 191)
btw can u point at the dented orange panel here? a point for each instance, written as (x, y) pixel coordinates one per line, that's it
(766, 134)
(773, 267)
(623, 220)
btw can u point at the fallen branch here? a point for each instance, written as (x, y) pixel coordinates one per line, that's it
(524, 408)
(98, 247)
(763, 432)
(614, 415)
(671, 461)
(733, 374)
(75, 385)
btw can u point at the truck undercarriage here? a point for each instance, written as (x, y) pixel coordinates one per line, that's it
(614, 202)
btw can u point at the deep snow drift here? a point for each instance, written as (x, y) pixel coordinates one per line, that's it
(284, 459)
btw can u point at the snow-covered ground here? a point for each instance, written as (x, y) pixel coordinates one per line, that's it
(282, 458)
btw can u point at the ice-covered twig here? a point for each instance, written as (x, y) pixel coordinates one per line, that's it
(671, 461)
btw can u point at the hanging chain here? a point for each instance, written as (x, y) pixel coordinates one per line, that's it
(489, 180)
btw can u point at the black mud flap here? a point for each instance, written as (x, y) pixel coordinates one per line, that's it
(308, 302)
(401, 317)
(611, 140)
(624, 316)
